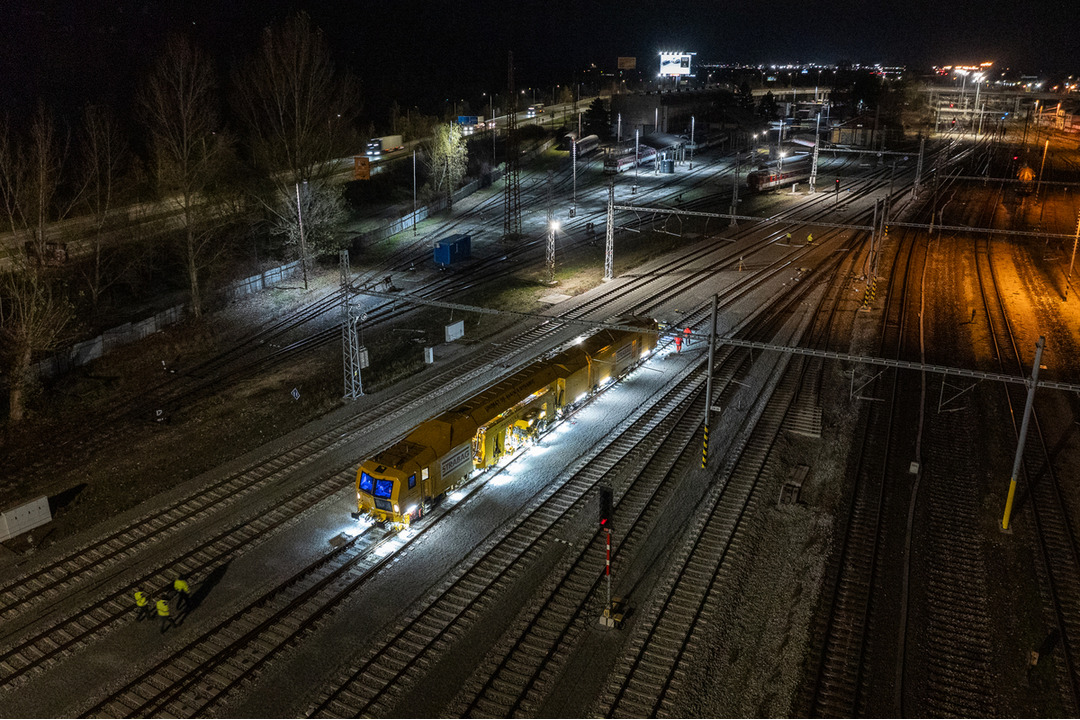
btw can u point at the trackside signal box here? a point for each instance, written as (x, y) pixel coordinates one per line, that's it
(605, 507)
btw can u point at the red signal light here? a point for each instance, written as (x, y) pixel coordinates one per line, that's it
(606, 503)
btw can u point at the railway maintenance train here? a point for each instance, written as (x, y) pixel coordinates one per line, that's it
(771, 177)
(399, 483)
(614, 165)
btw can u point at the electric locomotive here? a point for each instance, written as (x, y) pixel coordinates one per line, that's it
(398, 484)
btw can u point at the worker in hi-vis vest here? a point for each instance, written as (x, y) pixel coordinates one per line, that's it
(163, 613)
(142, 605)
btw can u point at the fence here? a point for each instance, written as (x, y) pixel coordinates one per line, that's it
(89, 350)
(439, 204)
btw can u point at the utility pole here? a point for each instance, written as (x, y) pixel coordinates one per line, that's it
(708, 383)
(552, 227)
(692, 123)
(351, 352)
(637, 156)
(873, 241)
(303, 247)
(735, 193)
(1023, 432)
(817, 140)
(1076, 238)
(512, 195)
(918, 169)
(414, 192)
(1041, 166)
(609, 236)
(573, 164)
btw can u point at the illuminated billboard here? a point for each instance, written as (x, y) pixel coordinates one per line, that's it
(627, 63)
(675, 63)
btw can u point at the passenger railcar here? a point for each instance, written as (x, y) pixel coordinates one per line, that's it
(614, 165)
(772, 177)
(399, 483)
(587, 144)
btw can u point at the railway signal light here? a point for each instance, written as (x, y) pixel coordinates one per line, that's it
(605, 507)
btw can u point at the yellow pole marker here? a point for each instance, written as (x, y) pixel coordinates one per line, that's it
(1023, 431)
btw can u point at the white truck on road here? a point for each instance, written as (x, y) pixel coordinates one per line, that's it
(385, 144)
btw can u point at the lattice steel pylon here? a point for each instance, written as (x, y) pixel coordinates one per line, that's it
(350, 345)
(609, 235)
(550, 259)
(512, 194)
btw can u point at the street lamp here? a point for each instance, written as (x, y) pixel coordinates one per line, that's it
(692, 122)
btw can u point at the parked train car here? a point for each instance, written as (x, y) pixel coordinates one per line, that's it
(399, 483)
(772, 177)
(587, 144)
(617, 164)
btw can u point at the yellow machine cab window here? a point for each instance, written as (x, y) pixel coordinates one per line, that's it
(366, 483)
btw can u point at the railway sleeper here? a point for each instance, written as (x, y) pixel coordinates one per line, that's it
(510, 688)
(956, 687)
(381, 673)
(636, 695)
(961, 648)
(130, 702)
(160, 684)
(399, 654)
(516, 666)
(955, 695)
(958, 671)
(490, 706)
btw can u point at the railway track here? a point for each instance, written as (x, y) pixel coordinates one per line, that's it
(1057, 546)
(520, 673)
(74, 571)
(839, 685)
(517, 684)
(41, 583)
(947, 664)
(271, 347)
(372, 685)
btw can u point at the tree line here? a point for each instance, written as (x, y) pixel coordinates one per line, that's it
(214, 158)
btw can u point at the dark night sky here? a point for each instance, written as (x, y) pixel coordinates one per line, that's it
(71, 51)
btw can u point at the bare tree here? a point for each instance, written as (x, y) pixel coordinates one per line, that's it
(33, 317)
(188, 150)
(103, 153)
(31, 170)
(298, 113)
(33, 310)
(322, 211)
(447, 160)
(298, 109)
